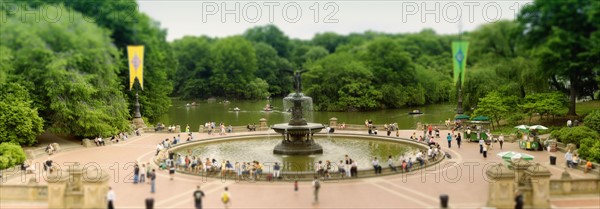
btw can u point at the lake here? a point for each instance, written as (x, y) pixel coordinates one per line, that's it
(251, 111)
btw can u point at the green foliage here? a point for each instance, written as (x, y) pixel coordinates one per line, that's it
(592, 120)
(590, 149)
(11, 155)
(493, 106)
(339, 82)
(70, 68)
(21, 121)
(563, 33)
(545, 104)
(234, 65)
(270, 35)
(574, 135)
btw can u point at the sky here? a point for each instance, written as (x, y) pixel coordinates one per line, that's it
(303, 19)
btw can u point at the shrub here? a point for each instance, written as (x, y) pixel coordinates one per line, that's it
(592, 120)
(590, 149)
(11, 155)
(574, 135)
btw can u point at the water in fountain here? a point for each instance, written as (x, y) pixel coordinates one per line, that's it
(307, 107)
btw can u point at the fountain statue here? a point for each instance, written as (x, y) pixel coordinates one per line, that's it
(298, 134)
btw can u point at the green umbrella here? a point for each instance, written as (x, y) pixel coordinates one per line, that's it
(461, 117)
(481, 118)
(510, 155)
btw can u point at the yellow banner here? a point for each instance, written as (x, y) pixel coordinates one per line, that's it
(136, 65)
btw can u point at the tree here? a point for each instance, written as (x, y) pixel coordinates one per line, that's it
(70, 68)
(340, 82)
(234, 65)
(329, 40)
(544, 104)
(11, 155)
(561, 32)
(193, 69)
(273, 69)
(493, 106)
(272, 36)
(21, 122)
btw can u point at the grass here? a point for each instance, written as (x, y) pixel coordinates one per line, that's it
(583, 108)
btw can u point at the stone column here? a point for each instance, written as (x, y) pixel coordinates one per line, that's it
(566, 184)
(94, 188)
(78, 188)
(502, 187)
(262, 124)
(539, 177)
(333, 122)
(519, 167)
(56, 189)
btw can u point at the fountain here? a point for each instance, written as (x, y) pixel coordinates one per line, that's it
(298, 134)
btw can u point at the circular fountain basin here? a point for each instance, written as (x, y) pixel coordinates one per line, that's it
(361, 149)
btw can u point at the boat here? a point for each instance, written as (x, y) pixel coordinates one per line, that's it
(415, 112)
(236, 109)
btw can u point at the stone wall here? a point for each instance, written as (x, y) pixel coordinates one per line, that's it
(32, 192)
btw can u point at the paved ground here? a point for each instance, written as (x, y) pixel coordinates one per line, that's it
(461, 177)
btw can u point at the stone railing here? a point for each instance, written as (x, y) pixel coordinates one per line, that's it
(574, 186)
(27, 193)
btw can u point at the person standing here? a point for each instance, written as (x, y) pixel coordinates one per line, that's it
(172, 171)
(153, 181)
(481, 142)
(518, 200)
(485, 150)
(226, 198)
(276, 170)
(449, 138)
(501, 140)
(458, 140)
(136, 173)
(143, 173)
(316, 186)
(198, 195)
(111, 197)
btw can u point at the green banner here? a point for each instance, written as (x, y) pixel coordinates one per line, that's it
(459, 58)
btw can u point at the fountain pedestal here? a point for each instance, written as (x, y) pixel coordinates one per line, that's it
(298, 134)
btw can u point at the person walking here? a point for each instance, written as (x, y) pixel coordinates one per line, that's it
(111, 197)
(458, 140)
(153, 181)
(226, 198)
(501, 140)
(316, 184)
(198, 195)
(449, 138)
